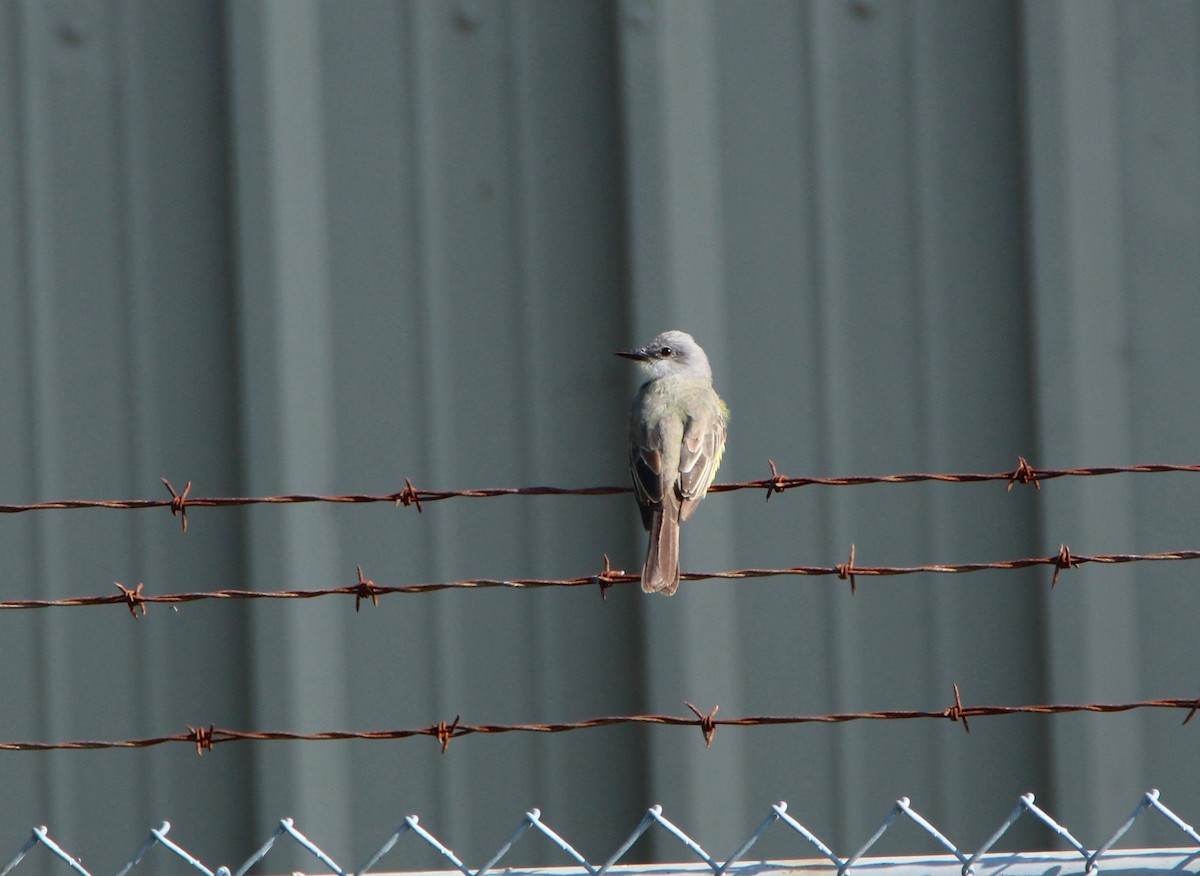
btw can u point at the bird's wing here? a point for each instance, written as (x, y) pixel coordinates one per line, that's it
(699, 459)
(646, 463)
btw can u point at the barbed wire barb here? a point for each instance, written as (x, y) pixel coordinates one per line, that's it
(846, 570)
(408, 496)
(1064, 560)
(365, 589)
(956, 712)
(778, 482)
(1023, 474)
(203, 737)
(133, 598)
(445, 732)
(178, 504)
(1192, 713)
(608, 577)
(708, 722)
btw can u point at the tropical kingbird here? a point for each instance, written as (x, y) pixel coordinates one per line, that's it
(676, 439)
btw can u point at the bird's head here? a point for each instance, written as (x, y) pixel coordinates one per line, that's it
(671, 353)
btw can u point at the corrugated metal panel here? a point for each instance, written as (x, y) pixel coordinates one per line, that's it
(857, 265)
(307, 246)
(470, 298)
(1113, 269)
(693, 650)
(116, 313)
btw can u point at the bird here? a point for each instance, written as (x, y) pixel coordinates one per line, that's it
(677, 429)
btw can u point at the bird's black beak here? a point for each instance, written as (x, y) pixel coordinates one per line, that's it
(636, 355)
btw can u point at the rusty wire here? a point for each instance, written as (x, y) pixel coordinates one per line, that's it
(180, 502)
(204, 738)
(136, 599)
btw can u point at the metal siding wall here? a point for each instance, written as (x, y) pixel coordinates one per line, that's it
(299, 662)
(467, 254)
(1161, 197)
(670, 96)
(866, 227)
(1078, 290)
(1111, 108)
(116, 313)
(911, 235)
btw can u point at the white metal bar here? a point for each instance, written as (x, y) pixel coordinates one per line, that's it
(1061, 863)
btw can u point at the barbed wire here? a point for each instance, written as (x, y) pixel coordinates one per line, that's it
(180, 502)
(136, 599)
(204, 738)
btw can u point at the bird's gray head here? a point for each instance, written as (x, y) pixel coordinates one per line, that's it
(671, 353)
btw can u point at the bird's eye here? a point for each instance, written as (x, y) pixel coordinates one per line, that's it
(666, 352)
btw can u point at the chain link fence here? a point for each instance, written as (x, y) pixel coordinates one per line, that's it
(949, 858)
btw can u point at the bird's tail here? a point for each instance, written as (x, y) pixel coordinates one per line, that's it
(661, 572)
